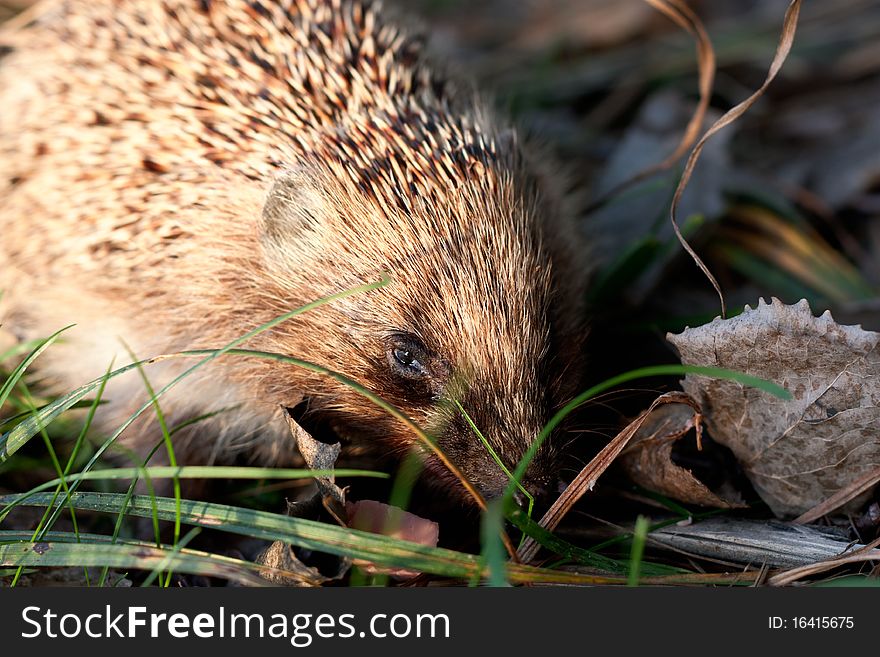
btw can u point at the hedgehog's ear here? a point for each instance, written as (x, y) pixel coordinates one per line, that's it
(293, 208)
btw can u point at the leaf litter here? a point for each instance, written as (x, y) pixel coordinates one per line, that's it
(367, 515)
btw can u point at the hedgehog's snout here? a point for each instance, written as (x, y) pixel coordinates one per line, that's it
(538, 483)
(539, 491)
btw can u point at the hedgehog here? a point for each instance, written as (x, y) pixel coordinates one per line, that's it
(175, 173)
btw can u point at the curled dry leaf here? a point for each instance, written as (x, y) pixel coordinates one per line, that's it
(801, 451)
(782, 49)
(280, 556)
(318, 456)
(648, 458)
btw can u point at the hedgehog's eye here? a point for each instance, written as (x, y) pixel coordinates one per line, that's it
(408, 358)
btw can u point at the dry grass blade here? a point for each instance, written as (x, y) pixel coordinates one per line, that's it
(867, 553)
(840, 498)
(789, 27)
(586, 478)
(683, 16)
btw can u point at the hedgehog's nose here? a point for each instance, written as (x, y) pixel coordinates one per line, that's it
(537, 489)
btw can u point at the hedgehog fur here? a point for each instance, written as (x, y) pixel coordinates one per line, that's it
(176, 173)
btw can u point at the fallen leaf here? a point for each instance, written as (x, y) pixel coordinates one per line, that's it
(648, 458)
(801, 451)
(379, 518)
(280, 555)
(318, 456)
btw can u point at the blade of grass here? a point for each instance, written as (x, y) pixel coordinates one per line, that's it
(208, 472)
(495, 456)
(493, 556)
(169, 450)
(21, 368)
(166, 566)
(56, 464)
(640, 535)
(49, 517)
(129, 556)
(120, 516)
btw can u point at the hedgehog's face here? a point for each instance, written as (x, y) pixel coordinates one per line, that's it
(461, 340)
(476, 427)
(483, 397)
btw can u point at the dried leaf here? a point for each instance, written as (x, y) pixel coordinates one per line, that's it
(387, 520)
(587, 477)
(801, 451)
(318, 456)
(280, 556)
(648, 458)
